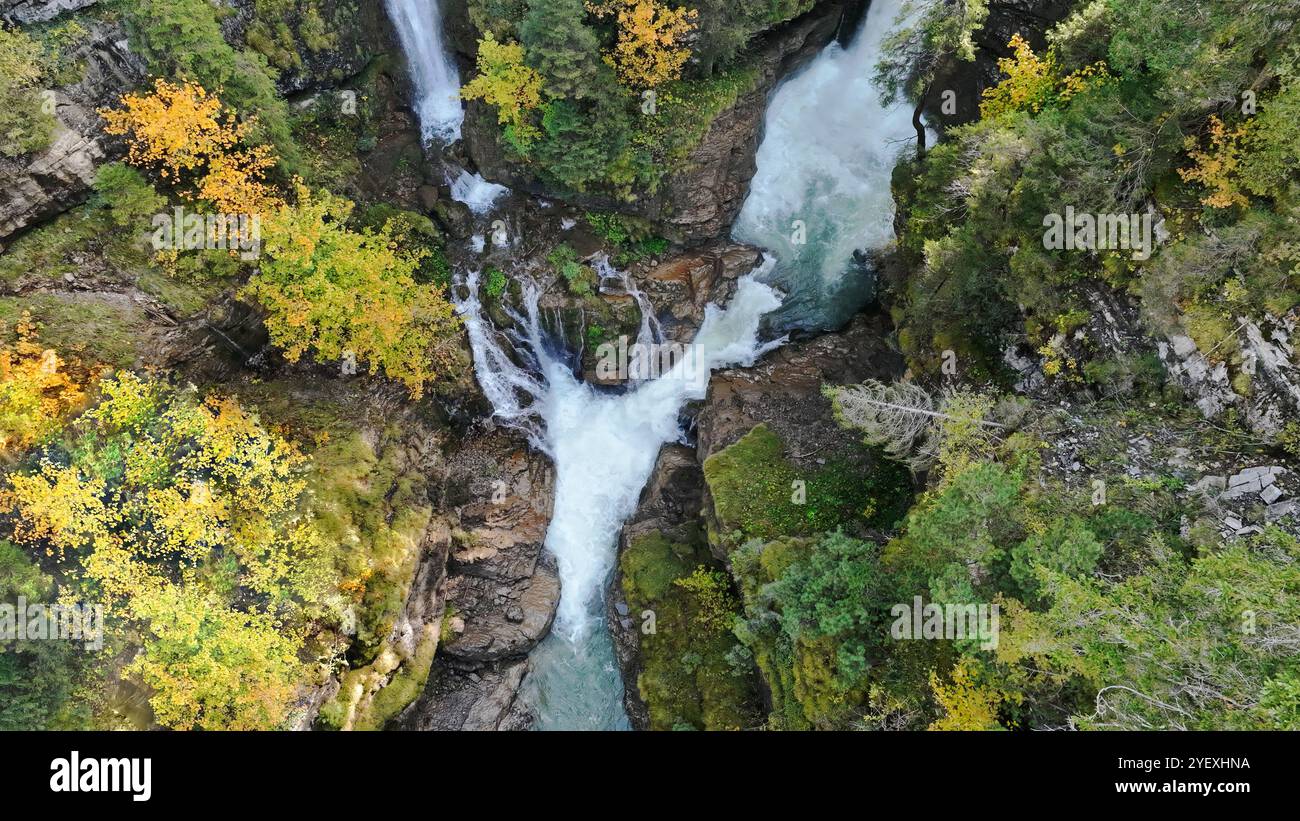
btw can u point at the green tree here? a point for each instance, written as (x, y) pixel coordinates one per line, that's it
(26, 122)
(564, 49)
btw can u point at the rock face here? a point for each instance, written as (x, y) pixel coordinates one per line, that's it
(967, 81)
(688, 282)
(26, 12)
(501, 588)
(699, 202)
(357, 33)
(40, 185)
(1272, 396)
(784, 390)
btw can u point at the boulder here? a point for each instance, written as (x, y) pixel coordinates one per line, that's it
(26, 12)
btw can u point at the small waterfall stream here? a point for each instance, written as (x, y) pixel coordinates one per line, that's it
(437, 94)
(433, 70)
(604, 447)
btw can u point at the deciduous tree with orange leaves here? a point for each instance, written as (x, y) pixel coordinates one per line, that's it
(183, 133)
(36, 392)
(648, 52)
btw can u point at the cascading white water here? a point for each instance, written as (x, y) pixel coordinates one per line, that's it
(822, 186)
(826, 159)
(604, 447)
(437, 83)
(476, 192)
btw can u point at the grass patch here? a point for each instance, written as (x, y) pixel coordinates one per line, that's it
(97, 330)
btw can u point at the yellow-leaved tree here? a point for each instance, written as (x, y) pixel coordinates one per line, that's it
(192, 524)
(37, 392)
(967, 703)
(348, 294)
(1217, 168)
(1031, 82)
(182, 132)
(504, 81)
(648, 51)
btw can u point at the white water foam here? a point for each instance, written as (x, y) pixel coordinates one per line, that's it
(604, 447)
(433, 71)
(826, 159)
(476, 192)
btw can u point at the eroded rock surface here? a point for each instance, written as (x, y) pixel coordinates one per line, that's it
(784, 390)
(501, 589)
(25, 12)
(45, 183)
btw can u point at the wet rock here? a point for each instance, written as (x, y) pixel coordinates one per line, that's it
(428, 196)
(494, 632)
(784, 390)
(682, 286)
(502, 588)
(454, 216)
(484, 699)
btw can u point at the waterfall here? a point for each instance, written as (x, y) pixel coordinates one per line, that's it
(604, 447)
(821, 191)
(433, 71)
(826, 160)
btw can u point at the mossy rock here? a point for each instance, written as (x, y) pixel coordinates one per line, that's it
(695, 674)
(758, 494)
(107, 329)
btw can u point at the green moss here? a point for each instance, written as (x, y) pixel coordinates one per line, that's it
(109, 331)
(1213, 332)
(44, 254)
(756, 492)
(403, 688)
(112, 231)
(370, 501)
(694, 672)
(376, 514)
(685, 110)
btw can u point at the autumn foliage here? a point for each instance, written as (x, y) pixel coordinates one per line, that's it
(1217, 167)
(346, 293)
(327, 288)
(185, 135)
(1031, 82)
(648, 51)
(36, 392)
(191, 522)
(506, 82)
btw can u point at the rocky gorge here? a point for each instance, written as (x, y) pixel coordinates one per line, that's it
(451, 499)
